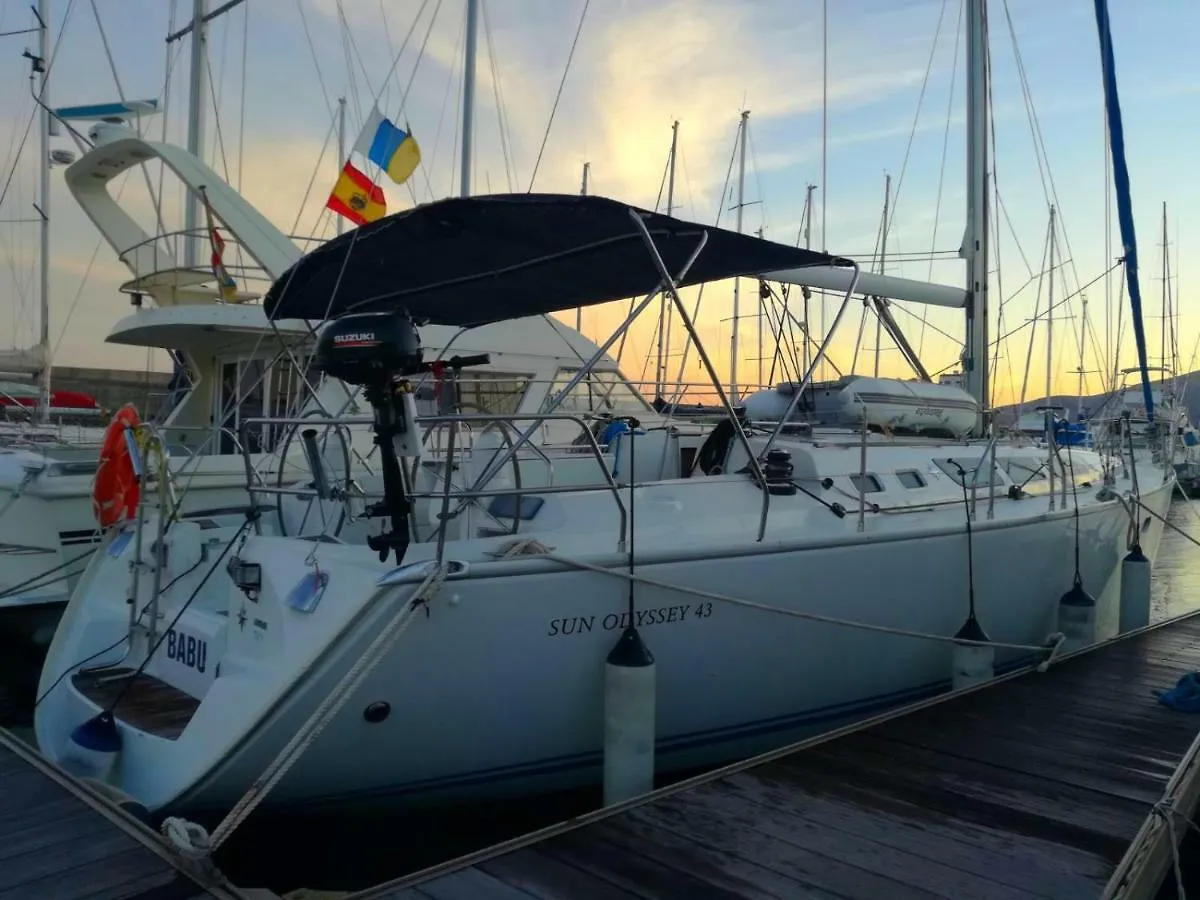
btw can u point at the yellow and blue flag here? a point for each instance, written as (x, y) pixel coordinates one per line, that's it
(392, 149)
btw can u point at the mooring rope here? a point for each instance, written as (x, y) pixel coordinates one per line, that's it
(1137, 502)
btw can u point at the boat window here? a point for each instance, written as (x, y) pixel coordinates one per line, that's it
(598, 392)
(240, 397)
(499, 393)
(253, 388)
(1023, 470)
(287, 395)
(866, 484)
(911, 478)
(969, 466)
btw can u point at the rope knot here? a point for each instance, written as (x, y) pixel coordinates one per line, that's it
(188, 839)
(1054, 643)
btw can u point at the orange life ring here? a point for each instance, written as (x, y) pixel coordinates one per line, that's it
(115, 491)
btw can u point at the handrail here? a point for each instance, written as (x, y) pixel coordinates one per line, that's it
(472, 494)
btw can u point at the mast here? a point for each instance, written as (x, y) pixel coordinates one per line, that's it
(887, 202)
(805, 292)
(1050, 360)
(975, 241)
(195, 129)
(1050, 310)
(1165, 275)
(468, 99)
(737, 282)
(341, 139)
(1116, 134)
(44, 121)
(583, 189)
(660, 367)
(758, 321)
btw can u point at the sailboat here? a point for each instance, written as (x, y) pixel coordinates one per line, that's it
(240, 367)
(451, 641)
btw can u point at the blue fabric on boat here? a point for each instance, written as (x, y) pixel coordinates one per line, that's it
(613, 429)
(1185, 696)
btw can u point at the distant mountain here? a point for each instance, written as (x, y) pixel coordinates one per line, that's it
(1189, 387)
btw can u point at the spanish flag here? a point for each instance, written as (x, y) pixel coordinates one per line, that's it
(356, 198)
(226, 285)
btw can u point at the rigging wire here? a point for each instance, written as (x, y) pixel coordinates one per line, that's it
(687, 346)
(762, 194)
(163, 97)
(453, 77)
(48, 65)
(173, 52)
(351, 54)
(241, 149)
(329, 133)
(1047, 176)
(387, 34)
(937, 33)
(182, 609)
(937, 206)
(995, 361)
(558, 96)
(312, 49)
(1067, 299)
(1037, 306)
(510, 164)
(154, 199)
(413, 75)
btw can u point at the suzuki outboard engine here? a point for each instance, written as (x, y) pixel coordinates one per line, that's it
(379, 352)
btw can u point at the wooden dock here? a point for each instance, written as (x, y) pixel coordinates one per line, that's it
(1033, 786)
(61, 840)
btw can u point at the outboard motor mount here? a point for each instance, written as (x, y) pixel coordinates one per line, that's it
(378, 352)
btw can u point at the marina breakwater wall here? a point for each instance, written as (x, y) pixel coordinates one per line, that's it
(114, 387)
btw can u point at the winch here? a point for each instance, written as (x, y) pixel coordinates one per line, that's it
(379, 352)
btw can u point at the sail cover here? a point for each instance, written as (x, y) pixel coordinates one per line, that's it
(475, 260)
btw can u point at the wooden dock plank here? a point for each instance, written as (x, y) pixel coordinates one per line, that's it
(546, 878)
(1033, 787)
(1018, 860)
(60, 841)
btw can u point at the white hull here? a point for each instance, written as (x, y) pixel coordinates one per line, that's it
(498, 691)
(48, 529)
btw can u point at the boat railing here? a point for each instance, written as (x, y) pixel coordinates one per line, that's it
(156, 269)
(468, 494)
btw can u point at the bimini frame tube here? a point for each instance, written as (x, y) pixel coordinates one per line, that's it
(673, 290)
(586, 368)
(822, 352)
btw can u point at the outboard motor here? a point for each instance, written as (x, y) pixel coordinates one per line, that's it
(379, 352)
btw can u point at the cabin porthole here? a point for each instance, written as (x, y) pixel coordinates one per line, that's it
(1145, 524)
(376, 712)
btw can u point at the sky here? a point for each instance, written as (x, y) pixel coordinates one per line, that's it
(893, 79)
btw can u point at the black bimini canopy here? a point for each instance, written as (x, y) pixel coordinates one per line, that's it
(474, 260)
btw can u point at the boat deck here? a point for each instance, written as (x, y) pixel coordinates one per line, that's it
(1032, 786)
(150, 705)
(59, 840)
